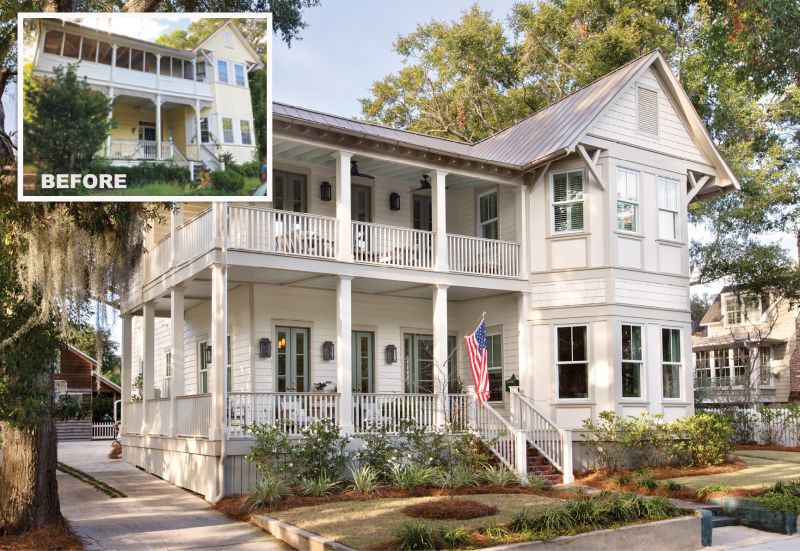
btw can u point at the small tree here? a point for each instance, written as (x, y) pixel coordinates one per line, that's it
(66, 122)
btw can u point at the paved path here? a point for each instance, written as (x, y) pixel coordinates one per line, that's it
(155, 515)
(741, 538)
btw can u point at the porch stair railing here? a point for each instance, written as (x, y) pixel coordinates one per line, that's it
(552, 442)
(504, 440)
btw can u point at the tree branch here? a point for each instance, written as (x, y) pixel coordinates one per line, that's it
(141, 5)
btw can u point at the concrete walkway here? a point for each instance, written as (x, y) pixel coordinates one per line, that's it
(155, 515)
(741, 538)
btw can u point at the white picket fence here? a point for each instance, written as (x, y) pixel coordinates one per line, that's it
(103, 431)
(765, 425)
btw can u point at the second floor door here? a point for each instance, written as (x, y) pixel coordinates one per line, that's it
(422, 212)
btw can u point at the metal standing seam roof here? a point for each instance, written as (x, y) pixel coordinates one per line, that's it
(550, 130)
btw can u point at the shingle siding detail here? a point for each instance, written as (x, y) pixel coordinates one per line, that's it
(568, 293)
(645, 293)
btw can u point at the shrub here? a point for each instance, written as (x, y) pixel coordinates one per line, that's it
(415, 536)
(227, 180)
(605, 440)
(267, 491)
(524, 521)
(320, 486)
(651, 438)
(407, 477)
(145, 173)
(781, 502)
(271, 452)
(321, 451)
(499, 475)
(707, 438)
(422, 446)
(380, 451)
(772, 426)
(455, 538)
(365, 479)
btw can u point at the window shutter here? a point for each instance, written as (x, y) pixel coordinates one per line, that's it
(647, 107)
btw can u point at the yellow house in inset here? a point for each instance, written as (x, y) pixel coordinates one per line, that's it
(170, 105)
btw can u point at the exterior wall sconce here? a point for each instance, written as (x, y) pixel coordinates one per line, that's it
(264, 348)
(208, 355)
(391, 354)
(394, 201)
(327, 351)
(325, 191)
(511, 381)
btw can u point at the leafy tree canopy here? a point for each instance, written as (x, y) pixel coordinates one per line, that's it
(254, 30)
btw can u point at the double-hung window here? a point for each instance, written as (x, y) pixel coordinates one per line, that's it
(205, 137)
(568, 201)
(671, 362)
(765, 366)
(733, 310)
(572, 362)
(222, 71)
(202, 372)
(167, 392)
(494, 362)
(667, 208)
(227, 130)
(741, 362)
(238, 74)
(702, 368)
(722, 363)
(487, 215)
(247, 136)
(627, 200)
(632, 361)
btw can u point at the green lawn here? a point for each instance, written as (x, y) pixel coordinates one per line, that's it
(763, 469)
(366, 524)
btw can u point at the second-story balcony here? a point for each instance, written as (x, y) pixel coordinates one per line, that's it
(278, 232)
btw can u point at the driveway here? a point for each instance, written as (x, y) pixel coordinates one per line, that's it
(155, 515)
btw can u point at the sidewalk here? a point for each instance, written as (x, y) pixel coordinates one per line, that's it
(155, 515)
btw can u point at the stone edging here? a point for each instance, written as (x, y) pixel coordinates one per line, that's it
(300, 539)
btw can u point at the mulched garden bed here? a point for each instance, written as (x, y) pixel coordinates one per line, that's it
(450, 509)
(238, 507)
(50, 536)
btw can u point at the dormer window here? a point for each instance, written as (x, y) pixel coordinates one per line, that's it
(739, 310)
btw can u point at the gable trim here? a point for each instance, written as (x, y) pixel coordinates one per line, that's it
(238, 33)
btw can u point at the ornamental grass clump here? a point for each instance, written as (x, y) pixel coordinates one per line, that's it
(408, 477)
(497, 475)
(321, 486)
(415, 536)
(267, 491)
(365, 480)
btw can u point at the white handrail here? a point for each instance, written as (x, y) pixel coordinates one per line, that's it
(501, 437)
(392, 246)
(478, 255)
(553, 443)
(290, 411)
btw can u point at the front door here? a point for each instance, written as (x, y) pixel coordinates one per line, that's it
(291, 366)
(422, 210)
(421, 370)
(147, 140)
(363, 361)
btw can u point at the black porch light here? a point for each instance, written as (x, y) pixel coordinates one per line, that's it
(264, 348)
(394, 201)
(511, 381)
(327, 351)
(325, 191)
(391, 354)
(208, 355)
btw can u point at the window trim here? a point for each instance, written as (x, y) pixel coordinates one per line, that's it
(636, 204)
(680, 365)
(496, 219)
(249, 132)
(219, 72)
(771, 383)
(225, 140)
(589, 379)
(202, 344)
(501, 368)
(166, 391)
(553, 203)
(676, 214)
(244, 75)
(642, 378)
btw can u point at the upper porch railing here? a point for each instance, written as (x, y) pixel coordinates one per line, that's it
(314, 236)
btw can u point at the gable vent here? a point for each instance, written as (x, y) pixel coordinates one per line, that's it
(647, 110)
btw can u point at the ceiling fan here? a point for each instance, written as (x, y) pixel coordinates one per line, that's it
(354, 171)
(424, 184)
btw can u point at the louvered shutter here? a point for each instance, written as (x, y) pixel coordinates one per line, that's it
(647, 109)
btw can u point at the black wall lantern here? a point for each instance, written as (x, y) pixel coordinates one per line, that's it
(511, 381)
(208, 355)
(391, 354)
(327, 351)
(394, 201)
(265, 348)
(325, 191)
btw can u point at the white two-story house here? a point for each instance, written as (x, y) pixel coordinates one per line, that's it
(349, 296)
(169, 105)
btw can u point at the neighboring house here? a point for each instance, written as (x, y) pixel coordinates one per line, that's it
(380, 252)
(76, 378)
(747, 353)
(163, 97)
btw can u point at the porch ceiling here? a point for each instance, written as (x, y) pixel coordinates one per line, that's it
(295, 152)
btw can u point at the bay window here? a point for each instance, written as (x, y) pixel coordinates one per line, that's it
(632, 361)
(671, 362)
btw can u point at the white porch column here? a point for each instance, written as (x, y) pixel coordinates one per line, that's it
(343, 215)
(158, 71)
(439, 222)
(127, 359)
(158, 126)
(523, 233)
(344, 353)
(148, 359)
(525, 367)
(176, 325)
(110, 117)
(175, 220)
(219, 328)
(113, 60)
(441, 376)
(197, 125)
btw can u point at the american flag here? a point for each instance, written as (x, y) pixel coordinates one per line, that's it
(476, 351)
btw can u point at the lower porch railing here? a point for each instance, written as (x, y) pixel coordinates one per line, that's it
(145, 150)
(389, 411)
(159, 416)
(290, 411)
(132, 417)
(193, 415)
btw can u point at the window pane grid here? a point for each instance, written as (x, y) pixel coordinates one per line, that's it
(671, 362)
(568, 202)
(572, 364)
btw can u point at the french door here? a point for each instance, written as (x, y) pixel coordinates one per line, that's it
(363, 361)
(289, 191)
(292, 364)
(422, 212)
(421, 370)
